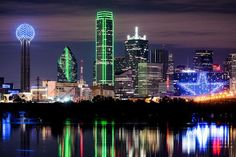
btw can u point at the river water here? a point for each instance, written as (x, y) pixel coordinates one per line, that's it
(103, 138)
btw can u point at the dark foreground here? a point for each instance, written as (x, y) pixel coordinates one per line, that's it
(175, 111)
(108, 128)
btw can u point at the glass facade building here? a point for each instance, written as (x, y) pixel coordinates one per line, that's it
(230, 65)
(104, 66)
(120, 65)
(203, 60)
(124, 85)
(67, 67)
(149, 76)
(137, 52)
(162, 56)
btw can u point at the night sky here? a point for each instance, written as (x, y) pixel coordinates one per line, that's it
(181, 26)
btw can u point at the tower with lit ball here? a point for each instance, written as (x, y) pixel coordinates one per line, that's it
(25, 33)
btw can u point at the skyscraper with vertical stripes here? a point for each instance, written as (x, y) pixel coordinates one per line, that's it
(104, 34)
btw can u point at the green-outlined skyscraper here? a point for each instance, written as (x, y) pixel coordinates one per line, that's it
(104, 66)
(67, 67)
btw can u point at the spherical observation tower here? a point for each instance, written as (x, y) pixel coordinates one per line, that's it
(25, 33)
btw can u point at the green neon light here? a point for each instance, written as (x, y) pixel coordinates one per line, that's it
(67, 67)
(59, 150)
(103, 16)
(104, 122)
(104, 140)
(96, 50)
(112, 140)
(113, 51)
(103, 50)
(67, 142)
(95, 138)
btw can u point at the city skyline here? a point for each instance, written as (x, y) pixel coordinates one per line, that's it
(57, 28)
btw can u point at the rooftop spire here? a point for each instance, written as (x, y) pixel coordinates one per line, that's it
(136, 32)
(136, 36)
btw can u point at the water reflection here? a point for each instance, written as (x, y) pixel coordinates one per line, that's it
(203, 137)
(104, 138)
(6, 126)
(108, 139)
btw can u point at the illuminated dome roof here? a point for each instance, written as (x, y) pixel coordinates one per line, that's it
(25, 32)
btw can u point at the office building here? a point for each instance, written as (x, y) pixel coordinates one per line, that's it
(103, 90)
(203, 60)
(230, 65)
(104, 65)
(67, 67)
(25, 34)
(230, 69)
(120, 65)
(149, 76)
(164, 57)
(67, 92)
(124, 85)
(39, 94)
(51, 88)
(137, 52)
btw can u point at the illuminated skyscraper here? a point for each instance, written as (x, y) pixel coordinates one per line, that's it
(149, 76)
(164, 57)
(25, 33)
(203, 60)
(104, 66)
(67, 67)
(230, 69)
(230, 65)
(124, 85)
(137, 50)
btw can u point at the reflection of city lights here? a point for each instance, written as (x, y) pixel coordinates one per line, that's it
(216, 146)
(81, 143)
(104, 142)
(67, 142)
(170, 142)
(189, 142)
(203, 133)
(46, 132)
(6, 127)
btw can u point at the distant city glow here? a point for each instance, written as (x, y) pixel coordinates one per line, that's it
(25, 32)
(201, 86)
(215, 97)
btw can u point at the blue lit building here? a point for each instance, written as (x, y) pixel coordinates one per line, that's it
(7, 88)
(192, 83)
